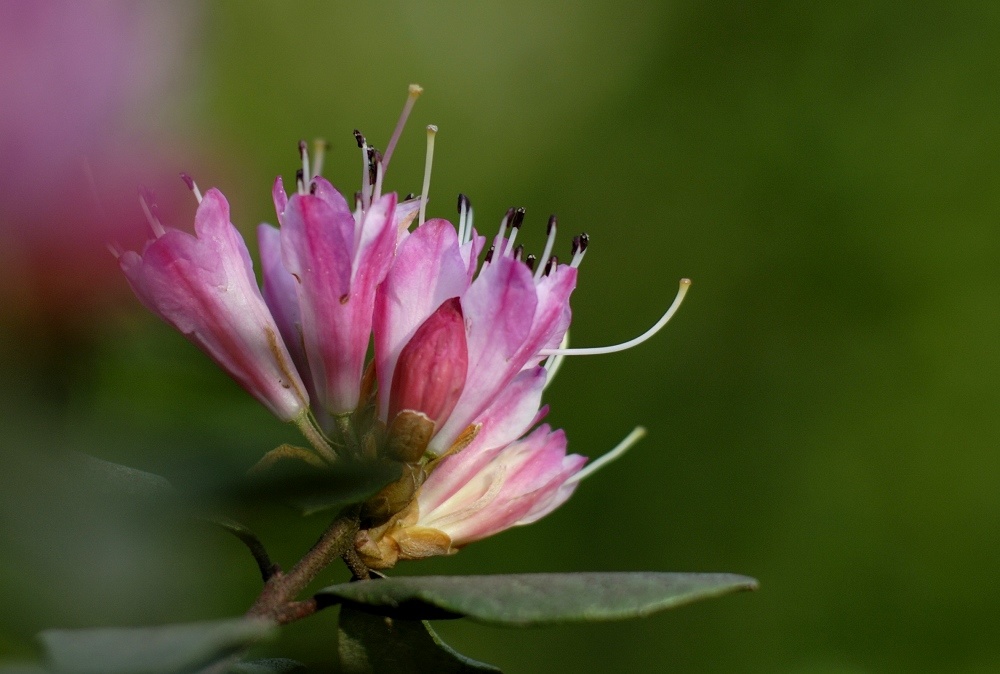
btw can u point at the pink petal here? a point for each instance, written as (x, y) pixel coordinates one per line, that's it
(499, 308)
(205, 287)
(510, 416)
(316, 249)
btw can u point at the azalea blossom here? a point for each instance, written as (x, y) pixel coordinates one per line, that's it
(464, 345)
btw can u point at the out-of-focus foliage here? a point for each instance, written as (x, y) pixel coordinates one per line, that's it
(821, 411)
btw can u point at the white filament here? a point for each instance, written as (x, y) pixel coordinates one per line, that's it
(304, 153)
(468, 228)
(543, 260)
(510, 241)
(578, 257)
(379, 172)
(463, 216)
(428, 162)
(635, 436)
(365, 176)
(597, 350)
(154, 222)
(414, 93)
(553, 363)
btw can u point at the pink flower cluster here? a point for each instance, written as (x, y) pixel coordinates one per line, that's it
(462, 349)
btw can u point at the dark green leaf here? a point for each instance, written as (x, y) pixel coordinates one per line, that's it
(535, 599)
(269, 666)
(371, 644)
(120, 479)
(314, 490)
(169, 649)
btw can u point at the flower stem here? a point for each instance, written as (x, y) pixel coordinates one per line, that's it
(316, 438)
(277, 599)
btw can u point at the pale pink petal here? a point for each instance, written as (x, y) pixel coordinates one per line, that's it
(508, 418)
(499, 308)
(205, 287)
(281, 295)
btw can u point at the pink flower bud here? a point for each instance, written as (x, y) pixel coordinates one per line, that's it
(431, 369)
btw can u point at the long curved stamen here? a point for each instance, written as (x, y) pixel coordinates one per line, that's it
(549, 243)
(428, 162)
(637, 434)
(414, 94)
(553, 363)
(597, 350)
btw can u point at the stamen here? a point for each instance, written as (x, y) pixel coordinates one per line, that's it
(468, 227)
(503, 226)
(550, 231)
(489, 254)
(115, 249)
(191, 185)
(154, 222)
(518, 252)
(409, 195)
(411, 98)
(365, 168)
(300, 182)
(553, 363)
(515, 227)
(530, 261)
(304, 154)
(463, 216)
(428, 162)
(379, 168)
(320, 147)
(594, 351)
(637, 434)
(580, 244)
(550, 265)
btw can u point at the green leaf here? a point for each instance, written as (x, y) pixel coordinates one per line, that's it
(311, 489)
(169, 649)
(371, 644)
(120, 479)
(269, 666)
(534, 599)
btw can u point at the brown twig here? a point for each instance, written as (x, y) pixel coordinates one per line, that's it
(277, 599)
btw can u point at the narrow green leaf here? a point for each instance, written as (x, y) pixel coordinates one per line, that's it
(371, 644)
(168, 649)
(535, 599)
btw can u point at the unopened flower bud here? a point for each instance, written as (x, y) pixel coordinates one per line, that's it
(430, 372)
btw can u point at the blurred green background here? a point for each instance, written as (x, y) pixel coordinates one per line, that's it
(821, 412)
